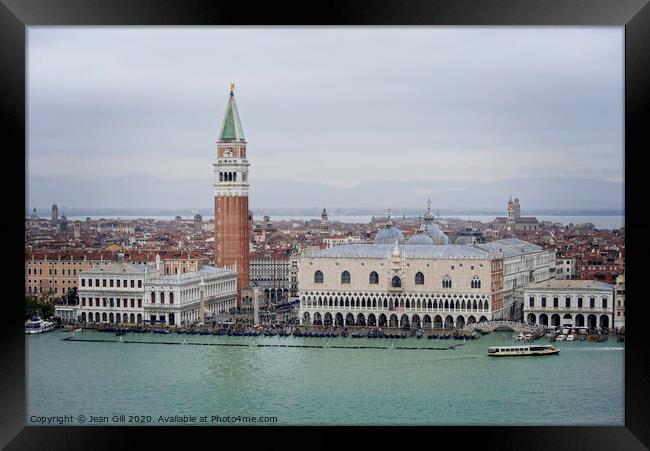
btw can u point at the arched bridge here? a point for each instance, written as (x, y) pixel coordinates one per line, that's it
(491, 326)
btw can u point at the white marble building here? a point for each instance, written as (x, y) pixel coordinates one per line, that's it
(176, 299)
(523, 263)
(579, 303)
(397, 285)
(122, 293)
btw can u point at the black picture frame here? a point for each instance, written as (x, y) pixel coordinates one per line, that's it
(634, 15)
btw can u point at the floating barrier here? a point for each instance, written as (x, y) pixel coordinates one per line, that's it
(258, 345)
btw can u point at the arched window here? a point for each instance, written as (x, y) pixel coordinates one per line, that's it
(396, 282)
(345, 277)
(476, 282)
(221, 176)
(234, 176)
(318, 277)
(374, 278)
(419, 279)
(153, 297)
(446, 282)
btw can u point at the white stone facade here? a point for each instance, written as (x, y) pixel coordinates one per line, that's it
(523, 263)
(619, 302)
(122, 293)
(379, 285)
(176, 299)
(577, 303)
(112, 293)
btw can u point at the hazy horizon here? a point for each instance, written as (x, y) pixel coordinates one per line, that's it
(358, 117)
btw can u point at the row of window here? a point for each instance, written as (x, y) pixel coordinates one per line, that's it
(111, 283)
(398, 303)
(162, 297)
(396, 281)
(567, 302)
(40, 290)
(70, 272)
(110, 302)
(229, 177)
(52, 282)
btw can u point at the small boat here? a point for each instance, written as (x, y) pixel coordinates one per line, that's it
(36, 325)
(560, 337)
(531, 350)
(570, 337)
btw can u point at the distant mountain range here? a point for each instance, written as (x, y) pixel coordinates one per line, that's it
(147, 194)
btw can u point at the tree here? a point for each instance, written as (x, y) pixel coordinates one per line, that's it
(38, 307)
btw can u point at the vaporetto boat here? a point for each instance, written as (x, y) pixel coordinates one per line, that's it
(36, 325)
(508, 351)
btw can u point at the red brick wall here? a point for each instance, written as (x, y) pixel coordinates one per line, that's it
(232, 237)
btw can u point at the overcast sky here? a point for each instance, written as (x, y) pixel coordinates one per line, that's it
(335, 105)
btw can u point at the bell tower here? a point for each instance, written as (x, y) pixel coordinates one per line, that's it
(231, 228)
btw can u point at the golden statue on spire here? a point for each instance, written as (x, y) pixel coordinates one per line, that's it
(232, 87)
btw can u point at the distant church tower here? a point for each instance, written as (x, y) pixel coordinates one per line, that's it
(514, 210)
(55, 215)
(231, 227)
(324, 222)
(511, 210)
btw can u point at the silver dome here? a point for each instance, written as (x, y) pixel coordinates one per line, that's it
(435, 232)
(388, 235)
(420, 239)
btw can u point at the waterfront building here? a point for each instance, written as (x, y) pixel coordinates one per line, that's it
(52, 274)
(619, 302)
(124, 293)
(231, 229)
(113, 293)
(514, 221)
(523, 263)
(579, 303)
(399, 284)
(184, 299)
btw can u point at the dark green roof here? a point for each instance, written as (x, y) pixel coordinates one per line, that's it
(231, 129)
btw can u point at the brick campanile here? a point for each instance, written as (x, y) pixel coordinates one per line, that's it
(231, 225)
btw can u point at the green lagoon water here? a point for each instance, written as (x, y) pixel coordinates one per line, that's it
(583, 385)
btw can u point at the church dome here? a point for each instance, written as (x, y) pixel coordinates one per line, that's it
(388, 235)
(434, 231)
(420, 239)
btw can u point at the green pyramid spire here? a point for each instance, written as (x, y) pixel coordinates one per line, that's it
(231, 129)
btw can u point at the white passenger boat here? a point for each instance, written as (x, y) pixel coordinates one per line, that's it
(36, 325)
(570, 337)
(507, 351)
(560, 337)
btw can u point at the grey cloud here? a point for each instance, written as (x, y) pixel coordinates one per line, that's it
(394, 100)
